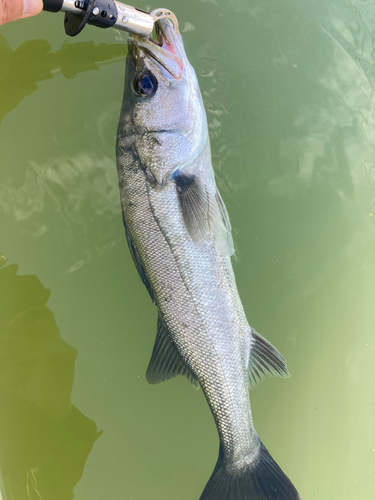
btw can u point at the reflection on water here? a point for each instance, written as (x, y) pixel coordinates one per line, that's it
(69, 186)
(79, 188)
(34, 62)
(80, 191)
(44, 439)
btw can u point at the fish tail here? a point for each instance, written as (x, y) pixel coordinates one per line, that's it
(255, 478)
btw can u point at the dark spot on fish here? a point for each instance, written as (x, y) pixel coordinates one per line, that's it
(182, 181)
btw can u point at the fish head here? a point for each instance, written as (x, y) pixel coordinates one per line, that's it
(163, 115)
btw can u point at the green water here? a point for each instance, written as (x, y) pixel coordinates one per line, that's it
(289, 91)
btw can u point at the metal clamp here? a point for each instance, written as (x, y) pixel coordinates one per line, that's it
(133, 20)
(158, 14)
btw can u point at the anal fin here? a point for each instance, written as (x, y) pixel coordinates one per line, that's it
(265, 361)
(166, 362)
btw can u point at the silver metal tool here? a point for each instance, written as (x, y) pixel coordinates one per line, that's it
(106, 14)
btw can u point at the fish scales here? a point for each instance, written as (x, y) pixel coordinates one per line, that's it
(179, 235)
(177, 278)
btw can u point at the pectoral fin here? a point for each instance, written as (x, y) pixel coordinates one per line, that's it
(199, 211)
(166, 362)
(265, 361)
(204, 215)
(224, 234)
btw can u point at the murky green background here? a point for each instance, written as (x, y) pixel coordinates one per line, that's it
(289, 92)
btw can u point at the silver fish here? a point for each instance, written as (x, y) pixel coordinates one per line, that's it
(179, 235)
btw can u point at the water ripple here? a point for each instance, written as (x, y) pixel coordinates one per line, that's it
(78, 188)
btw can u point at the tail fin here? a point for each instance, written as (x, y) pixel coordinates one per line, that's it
(258, 479)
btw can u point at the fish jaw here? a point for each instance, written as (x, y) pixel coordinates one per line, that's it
(168, 51)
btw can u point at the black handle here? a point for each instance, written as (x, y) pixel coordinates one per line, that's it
(101, 13)
(52, 5)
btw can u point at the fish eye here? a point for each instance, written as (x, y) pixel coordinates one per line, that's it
(145, 84)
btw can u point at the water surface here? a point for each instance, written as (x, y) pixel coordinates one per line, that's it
(289, 92)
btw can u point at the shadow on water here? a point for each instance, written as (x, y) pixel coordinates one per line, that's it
(34, 62)
(44, 440)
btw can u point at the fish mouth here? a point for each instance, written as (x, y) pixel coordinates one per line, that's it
(167, 50)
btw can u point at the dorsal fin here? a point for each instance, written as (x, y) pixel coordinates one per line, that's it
(166, 362)
(265, 361)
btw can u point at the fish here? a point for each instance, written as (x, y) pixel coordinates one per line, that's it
(179, 235)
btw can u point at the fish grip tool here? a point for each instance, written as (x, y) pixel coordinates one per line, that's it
(107, 14)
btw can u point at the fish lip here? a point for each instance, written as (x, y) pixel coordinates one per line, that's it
(166, 51)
